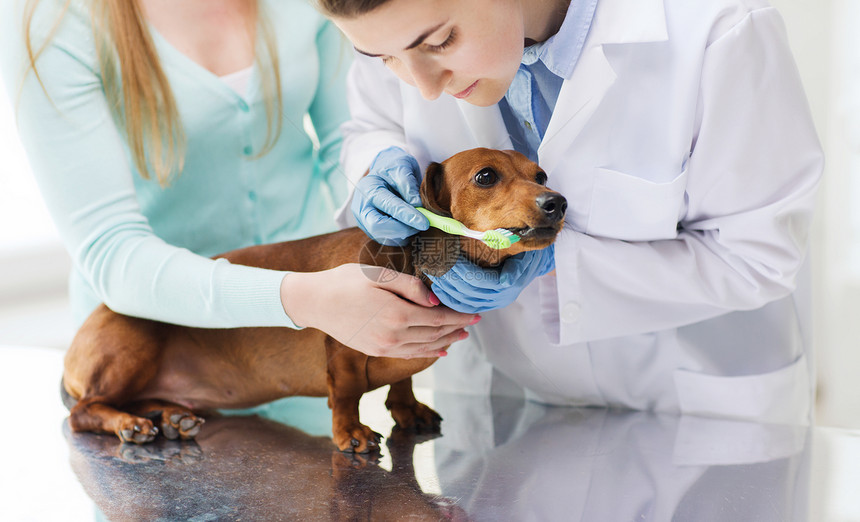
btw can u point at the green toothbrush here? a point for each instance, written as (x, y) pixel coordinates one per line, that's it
(498, 238)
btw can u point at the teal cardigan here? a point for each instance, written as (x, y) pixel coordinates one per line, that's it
(142, 249)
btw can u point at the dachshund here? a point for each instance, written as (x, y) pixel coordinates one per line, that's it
(135, 377)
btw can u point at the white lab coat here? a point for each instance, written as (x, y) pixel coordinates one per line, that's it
(685, 148)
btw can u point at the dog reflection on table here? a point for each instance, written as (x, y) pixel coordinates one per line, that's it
(136, 377)
(251, 468)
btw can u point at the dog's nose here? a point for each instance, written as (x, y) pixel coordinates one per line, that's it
(553, 205)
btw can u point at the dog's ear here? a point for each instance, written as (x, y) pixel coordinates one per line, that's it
(435, 195)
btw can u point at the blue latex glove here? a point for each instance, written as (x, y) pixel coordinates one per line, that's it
(385, 199)
(469, 288)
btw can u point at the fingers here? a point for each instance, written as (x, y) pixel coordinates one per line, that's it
(426, 332)
(470, 303)
(400, 169)
(465, 274)
(411, 324)
(439, 317)
(408, 186)
(429, 342)
(392, 205)
(385, 229)
(429, 334)
(436, 348)
(472, 279)
(383, 215)
(538, 262)
(404, 285)
(516, 266)
(412, 289)
(374, 310)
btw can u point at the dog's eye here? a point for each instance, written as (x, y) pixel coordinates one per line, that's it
(540, 178)
(486, 177)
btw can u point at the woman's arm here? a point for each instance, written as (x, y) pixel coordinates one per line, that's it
(78, 157)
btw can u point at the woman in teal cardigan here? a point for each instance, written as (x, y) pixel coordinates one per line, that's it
(162, 133)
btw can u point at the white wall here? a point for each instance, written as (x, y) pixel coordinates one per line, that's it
(33, 264)
(32, 261)
(826, 44)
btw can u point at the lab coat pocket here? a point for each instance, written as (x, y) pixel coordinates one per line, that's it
(780, 397)
(635, 209)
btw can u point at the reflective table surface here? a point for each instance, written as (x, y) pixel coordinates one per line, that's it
(496, 459)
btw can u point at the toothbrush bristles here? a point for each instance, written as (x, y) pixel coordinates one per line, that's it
(499, 238)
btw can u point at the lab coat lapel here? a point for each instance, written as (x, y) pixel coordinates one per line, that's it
(577, 101)
(615, 22)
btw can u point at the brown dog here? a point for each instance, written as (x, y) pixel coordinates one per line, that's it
(121, 373)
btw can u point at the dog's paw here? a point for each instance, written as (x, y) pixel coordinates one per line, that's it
(341, 461)
(137, 454)
(180, 424)
(175, 453)
(137, 430)
(416, 418)
(357, 439)
(180, 453)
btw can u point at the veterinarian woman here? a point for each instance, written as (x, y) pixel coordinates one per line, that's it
(681, 137)
(162, 133)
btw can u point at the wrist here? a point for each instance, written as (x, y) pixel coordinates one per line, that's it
(296, 297)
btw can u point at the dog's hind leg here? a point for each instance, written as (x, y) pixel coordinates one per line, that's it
(111, 361)
(92, 415)
(177, 422)
(408, 413)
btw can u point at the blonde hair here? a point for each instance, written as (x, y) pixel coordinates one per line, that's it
(137, 90)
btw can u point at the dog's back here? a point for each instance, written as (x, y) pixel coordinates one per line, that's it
(323, 252)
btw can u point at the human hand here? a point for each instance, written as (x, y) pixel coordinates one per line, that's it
(469, 288)
(375, 310)
(385, 199)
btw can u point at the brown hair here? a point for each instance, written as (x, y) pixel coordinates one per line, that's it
(137, 89)
(348, 8)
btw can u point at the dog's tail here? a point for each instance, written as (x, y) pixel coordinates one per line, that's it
(68, 400)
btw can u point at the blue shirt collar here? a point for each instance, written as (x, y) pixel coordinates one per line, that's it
(560, 52)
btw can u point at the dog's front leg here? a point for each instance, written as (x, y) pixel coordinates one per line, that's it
(347, 382)
(177, 422)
